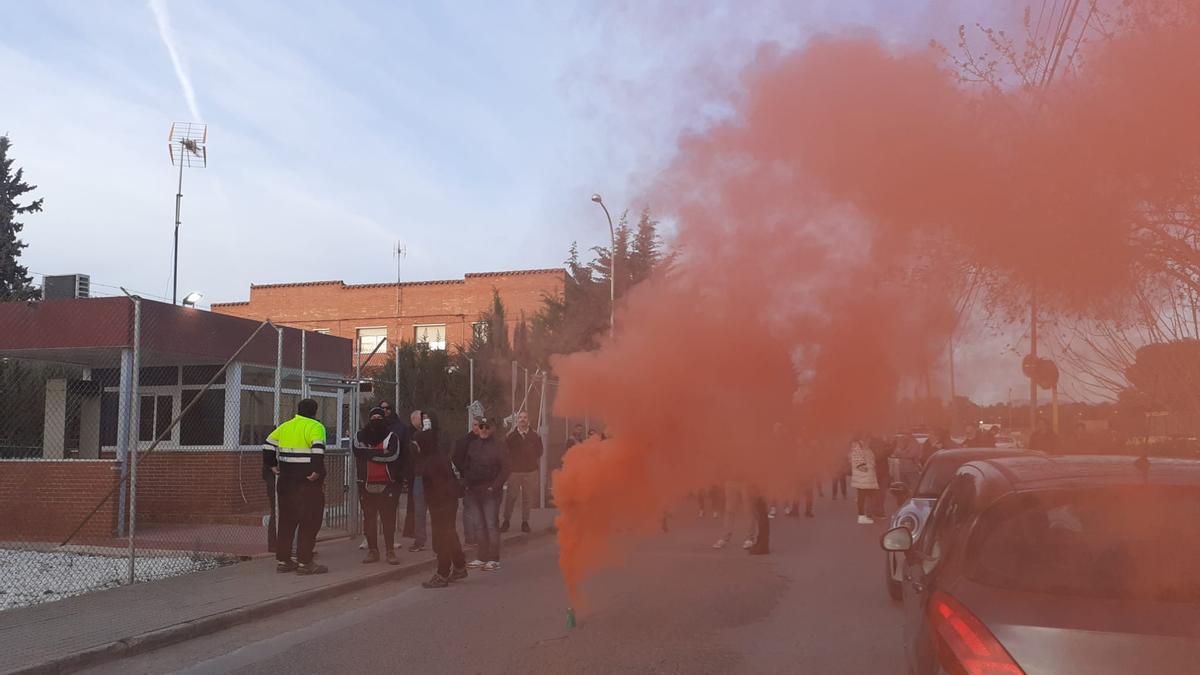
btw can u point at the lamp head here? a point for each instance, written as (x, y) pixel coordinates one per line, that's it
(192, 298)
(596, 198)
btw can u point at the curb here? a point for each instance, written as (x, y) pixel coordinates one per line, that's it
(189, 630)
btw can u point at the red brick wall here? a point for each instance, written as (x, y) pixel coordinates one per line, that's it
(178, 485)
(186, 486)
(46, 500)
(342, 309)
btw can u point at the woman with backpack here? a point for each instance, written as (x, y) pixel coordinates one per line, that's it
(380, 464)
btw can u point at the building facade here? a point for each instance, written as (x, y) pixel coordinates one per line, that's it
(441, 314)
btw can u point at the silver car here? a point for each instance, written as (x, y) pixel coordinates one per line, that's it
(1056, 564)
(917, 503)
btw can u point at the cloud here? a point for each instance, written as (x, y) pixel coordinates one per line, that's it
(159, 7)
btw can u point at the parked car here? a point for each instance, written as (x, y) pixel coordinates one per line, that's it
(1056, 564)
(918, 501)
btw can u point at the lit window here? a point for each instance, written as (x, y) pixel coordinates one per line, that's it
(479, 331)
(432, 336)
(369, 338)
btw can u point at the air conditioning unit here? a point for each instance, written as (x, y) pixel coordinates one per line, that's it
(63, 286)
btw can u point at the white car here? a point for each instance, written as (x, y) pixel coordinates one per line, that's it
(912, 514)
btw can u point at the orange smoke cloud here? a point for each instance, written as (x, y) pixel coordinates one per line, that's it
(801, 222)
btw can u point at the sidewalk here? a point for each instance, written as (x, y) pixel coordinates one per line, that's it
(76, 632)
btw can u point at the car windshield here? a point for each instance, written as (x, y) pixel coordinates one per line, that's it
(936, 476)
(1127, 542)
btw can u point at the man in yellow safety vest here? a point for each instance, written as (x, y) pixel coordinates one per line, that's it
(295, 453)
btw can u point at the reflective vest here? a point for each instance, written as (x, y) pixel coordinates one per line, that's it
(297, 445)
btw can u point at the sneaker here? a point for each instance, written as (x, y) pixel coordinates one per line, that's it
(721, 543)
(311, 568)
(525, 528)
(771, 512)
(392, 559)
(285, 567)
(504, 526)
(436, 581)
(373, 557)
(787, 510)
(865, 520)
(475, 564)
(363, 545)
(416, 548)
(458, 574)
(492, 566)
(748, 544)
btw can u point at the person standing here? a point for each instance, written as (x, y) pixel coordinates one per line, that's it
(485, 468)
(736, 503)
(576, 436)
(863, 479)
(295, 453)
(761, 544)
(524, 454)
(470, 528)
(379, 459)
(1043, 438)
(415, 524)
(442, 491)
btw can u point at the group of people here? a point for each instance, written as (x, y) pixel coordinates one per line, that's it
(393, 458)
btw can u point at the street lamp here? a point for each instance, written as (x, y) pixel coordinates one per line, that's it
(188, 146)
(191, 299)
(612, 269)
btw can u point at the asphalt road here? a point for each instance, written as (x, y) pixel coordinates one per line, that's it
(815, 605)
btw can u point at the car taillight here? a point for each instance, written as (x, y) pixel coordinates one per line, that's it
(964, 645)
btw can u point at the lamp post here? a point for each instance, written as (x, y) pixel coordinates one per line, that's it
(612, 269)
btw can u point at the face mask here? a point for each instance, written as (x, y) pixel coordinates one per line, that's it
(426, 424)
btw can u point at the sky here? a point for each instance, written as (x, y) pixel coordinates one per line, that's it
(473, 132)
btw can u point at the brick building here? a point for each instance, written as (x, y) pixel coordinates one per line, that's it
(441, 314)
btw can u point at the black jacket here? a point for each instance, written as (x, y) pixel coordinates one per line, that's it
(484, 463)
(391, 455)
(524, 453)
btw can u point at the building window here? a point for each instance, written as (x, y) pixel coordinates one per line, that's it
(155, 417)
(479, 332)
(258, 377)
(433, 336)
(369, 338)
(204, 424)
(258, 416)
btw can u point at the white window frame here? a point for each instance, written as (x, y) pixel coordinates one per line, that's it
(358, 336)
(432, 345)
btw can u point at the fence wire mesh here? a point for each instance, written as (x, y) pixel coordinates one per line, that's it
(87, 386)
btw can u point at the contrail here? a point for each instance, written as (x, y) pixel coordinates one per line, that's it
(164, 31)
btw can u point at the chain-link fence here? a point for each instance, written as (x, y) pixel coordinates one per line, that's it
(131, 434)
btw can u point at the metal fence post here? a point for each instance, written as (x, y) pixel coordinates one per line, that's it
(135, 432)
(303, 364)
(396, 399)
(278, 373)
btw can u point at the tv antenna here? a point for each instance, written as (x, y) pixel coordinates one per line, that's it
(188, 145)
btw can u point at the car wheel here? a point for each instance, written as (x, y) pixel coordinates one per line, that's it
(894, 589)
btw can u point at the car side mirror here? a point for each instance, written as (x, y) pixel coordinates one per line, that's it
(897, 540)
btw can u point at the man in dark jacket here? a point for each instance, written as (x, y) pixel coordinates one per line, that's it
(1043, 438)
(485, 467)
(524, 454)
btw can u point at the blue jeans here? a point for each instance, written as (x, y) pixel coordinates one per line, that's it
(419, 510)
(484, 507)
(470, 521)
